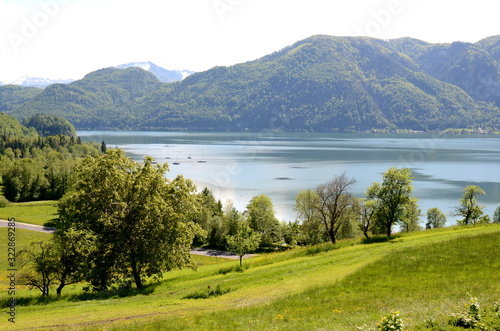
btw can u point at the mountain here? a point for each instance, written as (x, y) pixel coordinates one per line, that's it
(164, 75)
(103, 99)
(26, 81)
(320, 84)
(12, 96)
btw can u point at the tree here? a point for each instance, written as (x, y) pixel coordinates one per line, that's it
(496, 215)
(412, 217)
(334, 202)
(140, 220)
(307, 208)
(39, 261)
(72, 249)
(366, 209)
(104, 148)
(393, 198)
(244, 241)
(261, 219)
(435, 219)
(469, 208)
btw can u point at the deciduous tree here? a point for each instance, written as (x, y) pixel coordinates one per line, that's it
(244, 241)
(393, 198)
(334, 203)
(261, 219)
(140, 219)
(469, 209)
(435, 219)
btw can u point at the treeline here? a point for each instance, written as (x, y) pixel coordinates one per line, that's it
(34, 167)
(40, 168)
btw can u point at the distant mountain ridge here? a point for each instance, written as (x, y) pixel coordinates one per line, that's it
(164, 75)
(26, 81)
(319, 84)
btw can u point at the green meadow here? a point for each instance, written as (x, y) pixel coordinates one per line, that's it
(348, 286)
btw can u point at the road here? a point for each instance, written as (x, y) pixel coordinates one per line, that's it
(197, 251)
(31, 227)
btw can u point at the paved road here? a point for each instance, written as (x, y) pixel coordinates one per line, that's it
(31, 227)
(197, 251)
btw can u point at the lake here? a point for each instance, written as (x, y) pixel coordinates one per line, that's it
(240, 166)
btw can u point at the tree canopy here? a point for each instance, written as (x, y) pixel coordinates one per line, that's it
(141, 221)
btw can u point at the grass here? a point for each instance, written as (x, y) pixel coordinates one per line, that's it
(37, 212)
(424, 274)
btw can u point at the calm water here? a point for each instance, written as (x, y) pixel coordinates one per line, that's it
(240, 166)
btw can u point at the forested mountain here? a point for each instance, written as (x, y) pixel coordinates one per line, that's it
(322, 83)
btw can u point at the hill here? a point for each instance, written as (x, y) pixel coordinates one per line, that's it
(423, 275)
(321, 84)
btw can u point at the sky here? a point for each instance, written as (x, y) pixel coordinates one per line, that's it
(70, 38)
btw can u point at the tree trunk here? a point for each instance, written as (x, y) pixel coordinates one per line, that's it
(136, 274)
(60, 287)
(332, 236)
(241, 260)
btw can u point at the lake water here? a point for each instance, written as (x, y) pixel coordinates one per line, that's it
(240, 166)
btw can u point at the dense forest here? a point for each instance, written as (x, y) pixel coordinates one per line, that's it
(321, 84)
(38, 167)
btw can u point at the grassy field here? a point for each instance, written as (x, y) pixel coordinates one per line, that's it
(343, 287)
(37, 212)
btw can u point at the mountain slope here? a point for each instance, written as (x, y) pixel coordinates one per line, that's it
(318, 84)
(102, 99)
(322, 83)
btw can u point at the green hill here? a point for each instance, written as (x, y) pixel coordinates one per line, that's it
(424, 275)
(320, 84)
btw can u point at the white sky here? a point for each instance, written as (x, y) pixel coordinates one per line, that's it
(69, 38)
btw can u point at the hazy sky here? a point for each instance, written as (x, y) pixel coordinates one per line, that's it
(69, 38)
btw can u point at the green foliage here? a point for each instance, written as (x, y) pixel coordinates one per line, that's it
(39, 168)
(10, 126)
(48, 125)
(140, 221)
(244, 241)
(260, 215)
(394, 203)
(435, 218)
(469, 209)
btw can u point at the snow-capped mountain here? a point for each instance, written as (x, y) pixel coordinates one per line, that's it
(164, 75)
(39, 82)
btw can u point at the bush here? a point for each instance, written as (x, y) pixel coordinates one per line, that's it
(391, 322)
(205, 294)
(3, 201)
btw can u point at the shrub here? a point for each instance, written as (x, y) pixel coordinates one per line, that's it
(467, 319)
(209, 292)
(391, 322)
(3, 202)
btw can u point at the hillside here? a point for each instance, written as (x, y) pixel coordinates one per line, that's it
(320, 84)
(423, 275)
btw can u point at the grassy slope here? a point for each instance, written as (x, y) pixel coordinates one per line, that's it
(37, 212)
(339, 289)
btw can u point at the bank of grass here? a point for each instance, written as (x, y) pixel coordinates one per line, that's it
(424, 283)
(341, 287)
(37, 212)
